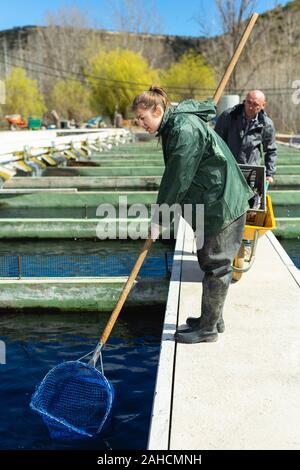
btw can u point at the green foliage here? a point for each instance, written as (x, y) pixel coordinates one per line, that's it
(71, 100)
(107, 71)
(22, 95)
(191, 77)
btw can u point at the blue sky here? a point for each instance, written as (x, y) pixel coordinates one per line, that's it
(178, 16)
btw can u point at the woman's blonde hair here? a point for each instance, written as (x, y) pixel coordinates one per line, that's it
(151, 98)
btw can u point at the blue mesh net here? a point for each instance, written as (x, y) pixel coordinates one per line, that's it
(22, 266)
(74, 399)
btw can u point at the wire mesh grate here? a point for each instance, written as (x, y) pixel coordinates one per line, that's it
(41, 266)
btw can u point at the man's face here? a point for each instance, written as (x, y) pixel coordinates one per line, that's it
(149, 119)
(254, 103)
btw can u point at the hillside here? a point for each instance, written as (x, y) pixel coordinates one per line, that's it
(270, 61)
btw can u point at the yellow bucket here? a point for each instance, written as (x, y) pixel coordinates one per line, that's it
(267, 224)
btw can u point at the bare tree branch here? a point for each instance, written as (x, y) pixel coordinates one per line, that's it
(136, 16)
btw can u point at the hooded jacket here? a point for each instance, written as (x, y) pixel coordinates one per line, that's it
(247, 146)
(199, 167)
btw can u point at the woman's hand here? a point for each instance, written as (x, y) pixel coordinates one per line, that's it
(154, 231)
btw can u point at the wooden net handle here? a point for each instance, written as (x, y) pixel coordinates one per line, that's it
(235, 58)
(126, 290)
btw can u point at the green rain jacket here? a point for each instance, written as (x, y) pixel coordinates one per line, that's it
(199, 167)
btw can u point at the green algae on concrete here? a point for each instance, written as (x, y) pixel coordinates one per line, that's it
(69, 228)
(106, 171)
(124, 157)
(287, 227)
(288, 197)
(286, 181)
(78, 199)
(124, 163)
(288, 169)
(84, 295)
(85, 182)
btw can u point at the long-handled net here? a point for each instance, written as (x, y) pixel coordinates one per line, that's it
(75, 398)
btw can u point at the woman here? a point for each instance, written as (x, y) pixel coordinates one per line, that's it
(200, 169)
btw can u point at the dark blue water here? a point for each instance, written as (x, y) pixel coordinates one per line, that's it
(292, 247)
(37, 342)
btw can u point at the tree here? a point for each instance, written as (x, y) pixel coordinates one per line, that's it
(71, 99)
(22, 95)
(191, 77)
(270, 60)
(231, 16)
(115, 78)
(135, 16)
(61, 45)
(136, 20)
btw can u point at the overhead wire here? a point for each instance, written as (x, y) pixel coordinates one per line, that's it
(113, 83)
(96, 77)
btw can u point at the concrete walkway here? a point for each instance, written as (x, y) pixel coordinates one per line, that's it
(242, 392)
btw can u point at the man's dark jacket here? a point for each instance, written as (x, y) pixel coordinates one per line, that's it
(247, 147)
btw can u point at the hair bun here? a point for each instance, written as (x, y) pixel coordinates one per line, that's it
(158, 90)
(151, 98)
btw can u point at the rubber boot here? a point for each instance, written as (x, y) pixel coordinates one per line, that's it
(198, 335)
(213, 297)
(205, 332)
(193, 322)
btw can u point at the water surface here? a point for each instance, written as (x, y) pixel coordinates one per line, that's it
(37, 342)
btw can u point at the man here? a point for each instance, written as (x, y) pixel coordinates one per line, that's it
(248, 131)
